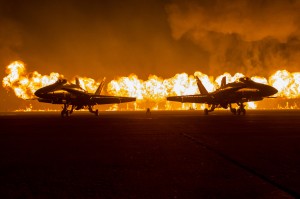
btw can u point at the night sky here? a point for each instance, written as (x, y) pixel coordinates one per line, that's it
(162, 37)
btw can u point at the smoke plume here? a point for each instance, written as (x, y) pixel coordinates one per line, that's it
(252, 37)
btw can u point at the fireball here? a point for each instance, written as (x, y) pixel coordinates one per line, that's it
(150, 93)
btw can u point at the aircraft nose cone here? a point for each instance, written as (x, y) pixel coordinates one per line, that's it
(38, 93)
(271, 90)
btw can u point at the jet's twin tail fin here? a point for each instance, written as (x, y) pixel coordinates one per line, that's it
(77, 81)
(100, 87)
(201, 88)
(223, 82)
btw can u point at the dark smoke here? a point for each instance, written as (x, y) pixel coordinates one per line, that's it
(98, 38)
(254, 37)
(10, 43)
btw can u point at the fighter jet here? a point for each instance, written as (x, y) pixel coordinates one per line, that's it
(239, 92)
(62, 92)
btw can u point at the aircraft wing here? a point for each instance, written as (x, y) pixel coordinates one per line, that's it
(190, 98)
(102, 99)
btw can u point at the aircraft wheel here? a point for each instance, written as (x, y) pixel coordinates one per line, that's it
(97, 112)
(244, 112)
(67, 113)
(239, 111)
(233, 111)
(206, 111)
(62, 113)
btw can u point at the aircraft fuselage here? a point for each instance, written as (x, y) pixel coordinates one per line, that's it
(244, 90)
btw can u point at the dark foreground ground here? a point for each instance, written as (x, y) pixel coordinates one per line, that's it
(181, 154)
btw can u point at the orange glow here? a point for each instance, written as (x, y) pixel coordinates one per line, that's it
(287, 84)
(25, 84)
(151, 93)
(251, 105)
(88, 84)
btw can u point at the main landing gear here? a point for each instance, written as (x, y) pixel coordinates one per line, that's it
(241, 110)
(212, 108)
(233, 110)
(65, 112)
(96, 112)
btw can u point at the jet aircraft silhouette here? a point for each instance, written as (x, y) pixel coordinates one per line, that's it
(62, 92)
(239, 92)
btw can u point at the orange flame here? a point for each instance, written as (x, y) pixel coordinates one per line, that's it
(150, 93)
(23, 84)
(287, 84)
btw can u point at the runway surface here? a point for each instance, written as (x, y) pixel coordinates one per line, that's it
(168, 154)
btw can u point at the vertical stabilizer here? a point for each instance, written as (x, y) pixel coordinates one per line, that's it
(202, 89)
(223, 82)
(77, 81)
(100, 88)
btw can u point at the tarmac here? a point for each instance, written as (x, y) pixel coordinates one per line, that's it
(165, 154)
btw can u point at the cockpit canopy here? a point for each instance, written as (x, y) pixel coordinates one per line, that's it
(245, 79)
(61, 81)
